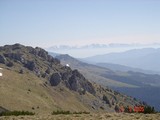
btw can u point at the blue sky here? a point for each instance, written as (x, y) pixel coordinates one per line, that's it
(45, 23)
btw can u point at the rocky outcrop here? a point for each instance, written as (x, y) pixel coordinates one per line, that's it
(3, 109)
(9, 64)
(48, 71)
(43, 65)
(2, 59)
(72, 80)
(31, 65)
(15, 56)
(43, 54)
(105, 98)
(78, 82)
(55, 79)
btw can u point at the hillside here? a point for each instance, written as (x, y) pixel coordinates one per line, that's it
(126, 82)
(35, 81)
(91, 71)
(108, 77)
(146, 59)
(123, 68)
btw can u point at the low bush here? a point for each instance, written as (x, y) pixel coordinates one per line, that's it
(16, 113)
(67, 112)
(149, 110)
(60, 112)
(81, 112)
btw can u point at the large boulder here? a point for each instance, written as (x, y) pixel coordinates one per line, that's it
(55, 79)
(106, 99)
(9, 64)
(30, 65)
(48, 70)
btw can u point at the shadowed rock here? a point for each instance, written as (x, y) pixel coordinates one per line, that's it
(10, 64)
(2, 59)
(30, 65)
(3, 109)
(55, 79)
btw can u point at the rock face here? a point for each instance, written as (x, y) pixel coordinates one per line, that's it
(30, 65)
(2, 109)
(55, 79)
(14, 56)
(72, 80)
(106, 99)
(77, 82)
(43, 65)
(2, 59)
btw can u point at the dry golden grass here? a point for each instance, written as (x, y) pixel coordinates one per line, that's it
(100, 116)
(28, 92)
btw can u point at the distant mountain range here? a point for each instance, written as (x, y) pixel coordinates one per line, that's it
(128, 82)
(145, 59)
(123, 68)
(111, 45)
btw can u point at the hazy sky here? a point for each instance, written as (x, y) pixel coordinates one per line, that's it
(45, 23)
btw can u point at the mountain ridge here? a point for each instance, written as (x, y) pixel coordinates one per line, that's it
(134, 81)
(146, 58)
(33, 80)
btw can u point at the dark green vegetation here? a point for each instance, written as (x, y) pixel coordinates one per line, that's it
(67, 112)
(149, 110)
(16, 113)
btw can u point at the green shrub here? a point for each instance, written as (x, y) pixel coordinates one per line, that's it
(67, 112)
(149, 110)
(80, 112)
(16, 113)
(60, 112)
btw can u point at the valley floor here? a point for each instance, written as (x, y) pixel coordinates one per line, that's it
(105, 116)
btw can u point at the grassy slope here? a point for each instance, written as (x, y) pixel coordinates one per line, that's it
(27, 91)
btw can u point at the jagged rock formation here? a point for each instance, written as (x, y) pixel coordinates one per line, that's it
(2, 59)
(55, 78)
(29, 57)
